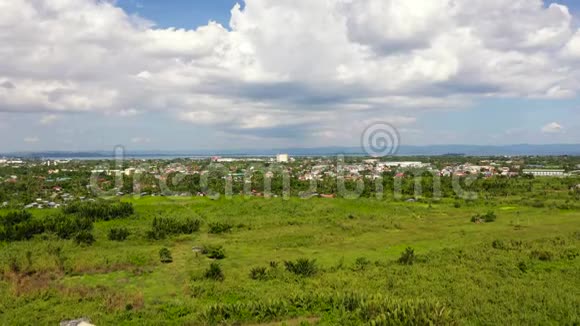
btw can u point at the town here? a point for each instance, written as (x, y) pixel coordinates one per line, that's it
(53, 183)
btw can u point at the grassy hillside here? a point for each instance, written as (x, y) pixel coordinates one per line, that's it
(522, 268)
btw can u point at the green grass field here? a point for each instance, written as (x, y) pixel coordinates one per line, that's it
(523, 268)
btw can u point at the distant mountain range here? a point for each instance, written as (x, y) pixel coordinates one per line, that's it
(433, 150)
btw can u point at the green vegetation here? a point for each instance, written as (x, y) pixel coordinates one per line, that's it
(118, 234)
(165, 256)
(214, 272)
(99, 211)
(302, 267)
(315, 261)
(84, 237)
(164, 227)
(214, 252)
(219, 227)
(259, 273)
(407, 257)
(484, 218)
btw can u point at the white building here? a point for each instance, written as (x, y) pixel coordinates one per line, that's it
(545, 173)
(282, 158)
(225, 160)
(403, 164)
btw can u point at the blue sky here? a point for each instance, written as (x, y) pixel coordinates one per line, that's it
(287, 74)
(194, 13)
(181, 13)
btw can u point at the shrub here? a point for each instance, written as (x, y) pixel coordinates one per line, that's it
(84, 237)
(542, 255)
(29, 259)
(67, 226)
(357, 309)
(259, 273)
(214, 252)
(14, 264)
(100, 211)
(538, 204)
(408, 257)
(219, 227)
(523, 267)
(59, 256)
(570, 254)
(489, 217)
(163, 227)
(273, 264)
(498, 244)
(303, 267)
(165, 256)
(214, 272)
(484, 218)
(18, 226)
(361, 264)
(118, 234)
(507, 245)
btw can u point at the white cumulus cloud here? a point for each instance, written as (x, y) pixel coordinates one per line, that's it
(31, 140)
(552, 128)
(293, 63)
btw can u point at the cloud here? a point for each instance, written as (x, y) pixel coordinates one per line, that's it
(128, 112)
(313, 66)
(31, 140)
(140, 140)
(552, 128)
(48, 119)
(7, 84)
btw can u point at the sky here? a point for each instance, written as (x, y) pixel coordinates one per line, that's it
(81, 75)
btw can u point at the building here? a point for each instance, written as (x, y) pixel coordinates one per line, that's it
(282, 158)
(403, 164)
(545, 173)
(225, 160)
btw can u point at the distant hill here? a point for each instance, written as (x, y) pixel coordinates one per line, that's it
(469, 150)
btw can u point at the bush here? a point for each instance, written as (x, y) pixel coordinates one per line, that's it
(100, 211)
(214, 272)
(14, 264)
(484, 218)
(259, 273)
(361, 264)
(523, 267)
(67, 226)
(303, 267)
(84, 237)
(219, 227)
(498, 244)
(18, 226)
(163, 227)
(489, 217)
(538, 204)
(507, 245)
(408, 257)
(165, 256)
(357, 309)
(118, 234)
(542, 255)
(214, 252)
